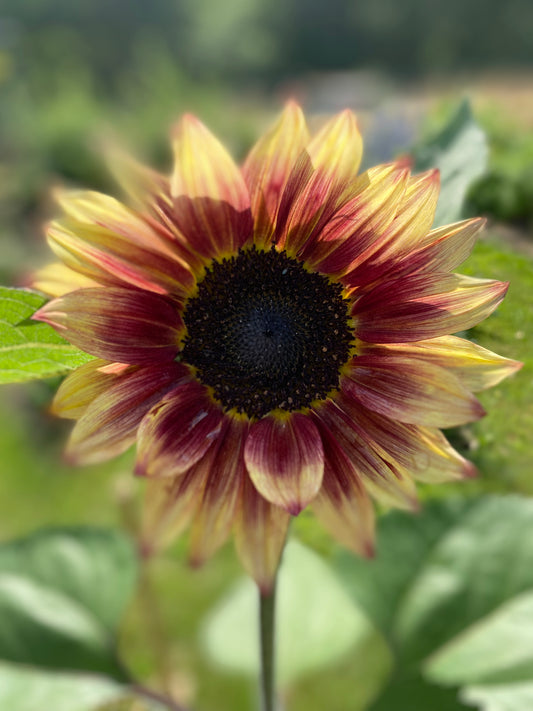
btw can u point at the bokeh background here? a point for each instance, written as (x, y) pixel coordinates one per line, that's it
(76, 75)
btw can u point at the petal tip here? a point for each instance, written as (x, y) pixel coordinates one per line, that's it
(295, 508)
(368, 549)
(140, 469)
(196, 561)
(470, 471)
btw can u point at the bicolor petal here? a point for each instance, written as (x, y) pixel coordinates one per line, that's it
(285, 460)
(124, 325)
(405, 233)
(108, 425)
(476, 367)
(410, 390)
(383, 477)
(422, 452)
(217, 508)
(211, 200)
(80, 388)
(337, 148)
(170, 504)
(178, 431)
(355, 231)
(424, 306)
(107, 257)
(268, 166)
(342, 505)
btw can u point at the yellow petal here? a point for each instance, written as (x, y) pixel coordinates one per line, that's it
(476, 367)
(203, 167)
(269, 164)
(338, 147)
(57, 279)
(80, 388)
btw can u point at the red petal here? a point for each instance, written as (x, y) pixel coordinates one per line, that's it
(178, 431)
(285, 459)
(342, 504)
(212, 228)
(424, 306)
(410, 390)
(384, 478)
(125, 325)
(109, 424)
(356, 229)
(108, 258)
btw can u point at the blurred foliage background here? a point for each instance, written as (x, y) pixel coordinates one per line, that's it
(75, 75)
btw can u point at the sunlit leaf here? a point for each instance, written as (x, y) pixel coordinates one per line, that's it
(29, 349)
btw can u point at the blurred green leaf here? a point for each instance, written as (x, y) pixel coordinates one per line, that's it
(460, 153)
(507, 633)
(316, 622)
(34, 690)
(452, 590)
(415, 694)
(26, 689)
(62, 593)
(30, 349)
(500, 697)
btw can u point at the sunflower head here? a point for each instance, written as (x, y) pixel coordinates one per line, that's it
(271, 336)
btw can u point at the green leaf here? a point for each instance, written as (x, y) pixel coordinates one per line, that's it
(507, 633)
(404, 544)
(415, 694)
(452, 589)
(458, 561)
(26, 689)
(500, 697)
(33, 690)
(316, 621)
(62, 593)
(460, 152)
(30, 349)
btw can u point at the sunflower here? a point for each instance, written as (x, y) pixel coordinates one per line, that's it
(271, 337)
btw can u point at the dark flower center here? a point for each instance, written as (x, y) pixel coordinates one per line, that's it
(264, 333)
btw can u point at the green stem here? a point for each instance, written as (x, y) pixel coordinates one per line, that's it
(267, 610)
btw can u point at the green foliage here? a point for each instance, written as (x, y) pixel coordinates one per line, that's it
(32, 690)
(62, 593)
(460, 153)
(31, 349)
(500, 697)
(452, 592)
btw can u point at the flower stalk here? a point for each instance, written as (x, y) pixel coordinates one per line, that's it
(267, 624)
